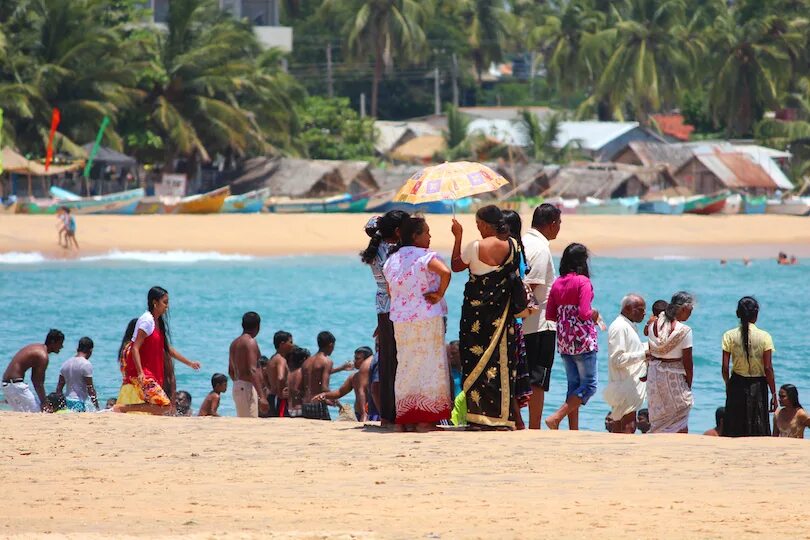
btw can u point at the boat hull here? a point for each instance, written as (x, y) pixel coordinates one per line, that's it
(705, 205)
(206, 203)
(663, 208)
(616, 207)
(247, 203)
(124, 202)
(799, 207)
(380, 203)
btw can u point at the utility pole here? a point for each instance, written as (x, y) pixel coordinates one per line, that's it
(455, 80)
(437, 101)
(329, 83)
(363, 105)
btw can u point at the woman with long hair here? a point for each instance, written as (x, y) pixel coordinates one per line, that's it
(523, 389)
(486, 344)
(790, 420)
(418, 279)
(750, 352)
(143, 359)
(383, 233)
(569, 305)
(669, 376)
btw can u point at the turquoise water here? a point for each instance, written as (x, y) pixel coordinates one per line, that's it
(305, 295)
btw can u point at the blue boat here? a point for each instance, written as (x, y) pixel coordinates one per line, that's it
(668, 207)
(382, 202)
(251, 202)
(123, 203)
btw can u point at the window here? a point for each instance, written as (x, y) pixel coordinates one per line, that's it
(260, 12)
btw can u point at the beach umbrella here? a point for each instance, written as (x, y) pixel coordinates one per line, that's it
(449, 181)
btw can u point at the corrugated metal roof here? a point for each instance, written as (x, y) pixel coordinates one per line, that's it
(737, 170)
(504, 131)
(592, 135)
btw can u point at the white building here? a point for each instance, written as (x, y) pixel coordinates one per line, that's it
(263, 14)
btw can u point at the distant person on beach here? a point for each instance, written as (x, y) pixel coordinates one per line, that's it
(277, 372)
(417, 279)
(383, 232)
(243, 368)
(315, 374)
(70, 230)
(540, 333)
(34, 357)
(144, 357)
(357, 381)
(643, 421)
(717, 430)
(294, 380)
(210, 405)
(486, 316)
(62, 225)
(750, 351)
(570, 307)
(523, 388)
(110, 403)
(658, 307)
(182, 404)
(669, 376)
(791, 420)
(55, 404)
(77, 374)
(627, 356)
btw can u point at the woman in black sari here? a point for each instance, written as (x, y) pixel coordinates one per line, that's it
(487, 336)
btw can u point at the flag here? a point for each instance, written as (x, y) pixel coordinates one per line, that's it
(94, 151)
(54, 124)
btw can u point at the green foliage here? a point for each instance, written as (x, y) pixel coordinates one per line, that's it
(331, 129)
(543, 140)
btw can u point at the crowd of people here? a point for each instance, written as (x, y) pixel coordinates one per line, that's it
(518, 312)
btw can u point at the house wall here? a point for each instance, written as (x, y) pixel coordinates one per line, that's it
(615, 146)
(698, 178)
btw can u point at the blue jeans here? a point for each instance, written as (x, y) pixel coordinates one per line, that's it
(580, 370)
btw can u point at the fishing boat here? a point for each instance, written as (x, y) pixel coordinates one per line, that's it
(287, 205)
(672, 206)
(794, 206)
(754, 204)
(354, 205)
(251, 202)
(622, 206)
(123, 202)
(204, 203)
(150, 206)
(382, 202)
(705, 204)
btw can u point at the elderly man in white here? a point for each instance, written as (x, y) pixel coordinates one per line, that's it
(626, 392)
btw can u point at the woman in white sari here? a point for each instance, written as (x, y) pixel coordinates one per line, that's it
(669, 378)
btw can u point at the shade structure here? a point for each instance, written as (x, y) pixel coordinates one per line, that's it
(449, 181)
(108, 156)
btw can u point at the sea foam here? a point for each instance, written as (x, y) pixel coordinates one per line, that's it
(159, 257)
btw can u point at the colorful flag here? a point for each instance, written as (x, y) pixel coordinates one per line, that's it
(55, 118)
(94, 151)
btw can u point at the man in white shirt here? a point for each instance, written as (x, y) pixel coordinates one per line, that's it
(77, 375)
(540, 335)
(626, 392)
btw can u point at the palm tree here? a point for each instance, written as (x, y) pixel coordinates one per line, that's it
(650, 56)
(543, 139)
(64, 55)
(486, 28)
(208, 68)
(753, 65)
(458, 145)
(385, 29)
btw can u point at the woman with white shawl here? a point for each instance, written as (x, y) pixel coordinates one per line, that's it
(669, 378)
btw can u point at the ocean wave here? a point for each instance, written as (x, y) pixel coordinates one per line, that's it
(141, 256)
(20, 257)
(673, 258)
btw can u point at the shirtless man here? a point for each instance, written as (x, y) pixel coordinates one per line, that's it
(243, 367)
(294, 362)
(276, 374)
(357, 381)
(317, 369)
(791, 419)
(34, 357)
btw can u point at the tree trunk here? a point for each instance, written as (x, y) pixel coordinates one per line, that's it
(375, 83)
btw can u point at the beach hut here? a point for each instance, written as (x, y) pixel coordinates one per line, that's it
(356, 177)
(707, 173)
(420, 149)
(15, 163)
(603, 140)
(607, 181)
(290, 177)
(107, 157)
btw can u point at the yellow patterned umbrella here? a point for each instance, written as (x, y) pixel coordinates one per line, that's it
(449, 181)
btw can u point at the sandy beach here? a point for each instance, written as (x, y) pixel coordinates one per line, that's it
(107, 475)
(272, 234)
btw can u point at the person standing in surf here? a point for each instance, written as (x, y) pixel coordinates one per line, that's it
(143, 359)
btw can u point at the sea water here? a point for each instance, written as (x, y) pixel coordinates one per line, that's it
(209, 292)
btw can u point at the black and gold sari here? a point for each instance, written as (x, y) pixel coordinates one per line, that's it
(487, 345)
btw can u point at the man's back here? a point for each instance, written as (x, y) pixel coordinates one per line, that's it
(75, 371)
(315, 374)
(29, 357)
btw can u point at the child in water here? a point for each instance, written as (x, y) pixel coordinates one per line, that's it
(210, 404)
